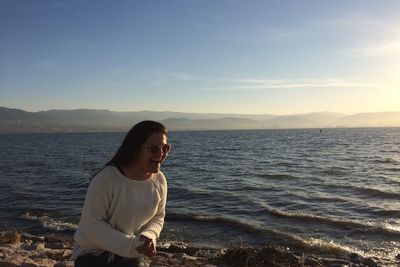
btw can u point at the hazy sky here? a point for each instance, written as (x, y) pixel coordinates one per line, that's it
(275, 57)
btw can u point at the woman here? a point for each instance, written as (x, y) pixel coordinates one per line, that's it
(124, 209)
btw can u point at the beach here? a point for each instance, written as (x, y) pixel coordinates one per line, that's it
(23, 249)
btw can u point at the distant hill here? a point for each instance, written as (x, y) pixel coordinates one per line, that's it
(92, 120)
(379, 119)
(227, 123)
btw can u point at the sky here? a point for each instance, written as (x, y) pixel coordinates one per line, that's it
(227, 56)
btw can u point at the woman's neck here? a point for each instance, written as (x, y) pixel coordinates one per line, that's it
(134, 172)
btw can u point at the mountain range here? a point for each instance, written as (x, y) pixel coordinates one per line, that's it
(95, 120)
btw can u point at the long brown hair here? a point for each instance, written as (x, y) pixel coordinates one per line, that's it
(134, 139)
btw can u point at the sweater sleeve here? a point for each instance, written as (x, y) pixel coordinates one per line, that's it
(153, 227)
(94, 221)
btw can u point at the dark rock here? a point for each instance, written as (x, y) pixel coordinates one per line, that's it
(180, 255)
(174, 248)
(64, 264)
(369, 262)
(239, 256)
(38, 256)
(313, 262)
(278, 257)
(355, 258)
(54, 245)
(10, 237)
(7, 264)
(209, 253)
(165, 254)
(26, 237)
(29, 247)
(56, 255)
(68, 241)
(191, 250)
(335, 262)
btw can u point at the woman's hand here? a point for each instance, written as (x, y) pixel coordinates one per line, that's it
(147, 248)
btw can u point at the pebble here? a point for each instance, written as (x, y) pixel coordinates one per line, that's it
(187, 257)
(54, 245)
(40, 246)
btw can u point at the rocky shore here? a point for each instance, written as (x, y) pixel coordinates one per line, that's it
(23, 249)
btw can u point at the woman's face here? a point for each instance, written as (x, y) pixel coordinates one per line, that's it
(151, 153)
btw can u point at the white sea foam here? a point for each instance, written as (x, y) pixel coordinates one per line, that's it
(50, 223)
(332, 246)
(386, 256)
(392, 225)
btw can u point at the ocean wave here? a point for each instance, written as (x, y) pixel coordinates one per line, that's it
(334, 171)
(191, 193)
(387, 161)
(372, 227)
(380, 228)
(286, 164)
(377, 192)
(278, 176)
(392, 169)
(326, 246)
(50, 223)
(187, 194)
(21, 194)
(292, 240)
(317, 197)
(372, 192)
(222, 220)
(385, 257)
(384, 212)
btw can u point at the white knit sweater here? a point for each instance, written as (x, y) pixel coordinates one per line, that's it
(117, 210)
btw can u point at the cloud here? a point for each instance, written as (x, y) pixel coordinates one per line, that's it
(376, 49)
(354, 21)
(372, 36)
(180, 76)
(230, 84)
(259, 84)
(251, 34)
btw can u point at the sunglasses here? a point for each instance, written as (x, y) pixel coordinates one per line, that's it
(155, 149)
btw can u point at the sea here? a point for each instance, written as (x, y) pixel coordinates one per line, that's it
(311, 190)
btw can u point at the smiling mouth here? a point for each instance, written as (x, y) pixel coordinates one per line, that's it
(155, 161)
